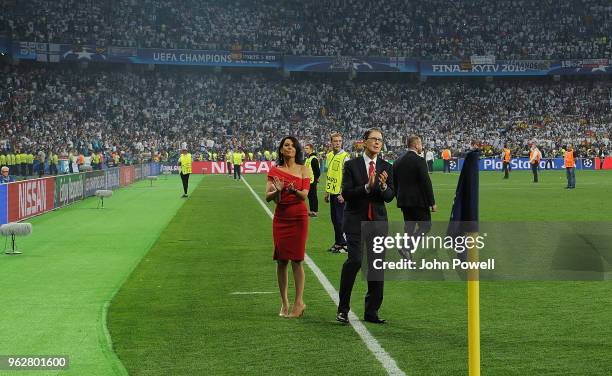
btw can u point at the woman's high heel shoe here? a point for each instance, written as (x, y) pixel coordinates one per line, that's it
(299, 313)
(284, 312)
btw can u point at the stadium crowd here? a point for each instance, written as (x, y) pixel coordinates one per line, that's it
(60, 110)
(435, 29)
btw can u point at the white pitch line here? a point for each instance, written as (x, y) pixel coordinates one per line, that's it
(372, 344)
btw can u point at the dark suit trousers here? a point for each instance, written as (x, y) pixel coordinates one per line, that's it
(337, 216)
(350, 268)
(313, 200)
(534, 169)
(414, 214)
(505, 168)
(237, 171)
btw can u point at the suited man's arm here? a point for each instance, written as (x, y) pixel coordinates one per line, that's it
(424, 177)
(388, 194)
(350, 189)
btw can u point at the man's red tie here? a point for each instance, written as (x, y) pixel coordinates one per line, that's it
(370, 207)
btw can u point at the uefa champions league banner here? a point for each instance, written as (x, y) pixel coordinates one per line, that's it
(349, 63)
(3, 204)
(28, 198)
(218, 58)
(250, 167)
(495, 164)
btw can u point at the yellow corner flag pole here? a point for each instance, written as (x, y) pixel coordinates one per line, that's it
(473, 315)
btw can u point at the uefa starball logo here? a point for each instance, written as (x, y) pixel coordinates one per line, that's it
(453, 165)
(587, 162)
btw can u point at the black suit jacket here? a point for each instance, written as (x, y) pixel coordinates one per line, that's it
(354, 179)
(411, 181)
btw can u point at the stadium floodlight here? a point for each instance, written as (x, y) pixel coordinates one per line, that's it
(151, 178)
(13, 230)
(101, 193)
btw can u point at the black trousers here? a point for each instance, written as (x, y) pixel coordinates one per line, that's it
(229, 168)
(350, 268)
(549, 164)
(417, 219)
(337, 216)
(185, 180)
(506, 169)
(237, 171)
(313, 200)
(447, 166)
(534, 169)
(430, 165)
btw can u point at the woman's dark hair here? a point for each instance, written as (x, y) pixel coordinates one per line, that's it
(299, 156)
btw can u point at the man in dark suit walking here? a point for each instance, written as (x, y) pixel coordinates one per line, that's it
(413, 189)
(367, 184)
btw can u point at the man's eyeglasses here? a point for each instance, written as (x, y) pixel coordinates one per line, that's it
(375, 139)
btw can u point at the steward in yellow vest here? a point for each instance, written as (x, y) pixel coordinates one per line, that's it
(185, 162)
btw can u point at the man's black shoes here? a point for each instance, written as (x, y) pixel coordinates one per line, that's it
(374, 320)
(342, 317)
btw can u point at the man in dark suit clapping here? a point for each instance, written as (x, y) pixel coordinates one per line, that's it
(367, 184)
(413, 189)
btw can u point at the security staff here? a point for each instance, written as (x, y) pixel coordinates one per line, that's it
(30, 163)
(446, 156)
(312, 162)
(534, 160)
(18, 165)
(570, 167)
(237, 158)
(506, 162)
(333, 190)
(185, 166)
(228, 162)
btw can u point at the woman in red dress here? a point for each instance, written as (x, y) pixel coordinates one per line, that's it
(288, 185)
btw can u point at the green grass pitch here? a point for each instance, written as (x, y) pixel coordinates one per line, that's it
(178, 264)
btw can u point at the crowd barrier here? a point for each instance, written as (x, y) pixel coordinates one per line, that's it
(486, 164)
(27, 198)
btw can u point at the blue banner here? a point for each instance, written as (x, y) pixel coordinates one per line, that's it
(499, 68)
(194, 57)
(154, 169)
(348, 63)
(495, 164)
(50, 52)
(3, 204)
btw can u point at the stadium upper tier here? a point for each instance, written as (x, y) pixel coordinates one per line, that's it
(56, 107)
(434, 29)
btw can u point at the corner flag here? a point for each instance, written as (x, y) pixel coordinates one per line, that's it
(464, 219)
